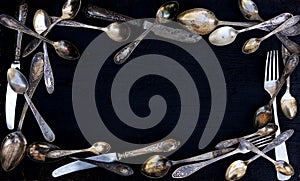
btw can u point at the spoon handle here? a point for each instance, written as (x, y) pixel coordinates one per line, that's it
(125, 52)
(48, 73)
(46, 130)
(75, 24)
(35, 75)
(63, 153)
(118, 168)
(14, 24)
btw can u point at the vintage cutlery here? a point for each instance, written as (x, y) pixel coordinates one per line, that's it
(166, 12)
(288, 103)
(252, 44)
(187, 170)
(164, 146)
(269, 129)
(158, 166)
(171, 33)
(281, 166)
(226, 35)
(37, 152)
(19, 84)
(41, 22)
(63, 48)
(69, 11)
(238, 168)
(11, 96)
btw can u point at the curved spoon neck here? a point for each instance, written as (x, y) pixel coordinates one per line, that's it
(241, 24)
(51, 26)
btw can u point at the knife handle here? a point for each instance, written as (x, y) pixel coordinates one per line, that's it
(164, 146)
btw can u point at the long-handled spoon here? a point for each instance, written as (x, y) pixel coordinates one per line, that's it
(63, 48)
(280, 165)
(158, 166)
(264, 114)
(116, 31)
(14, 144)
(288, 103)
(226, 35)
(166, 12)
(269, 129)
(41, 22)
(238, 168)
(19, 84)
(69, 11)
(252, 44)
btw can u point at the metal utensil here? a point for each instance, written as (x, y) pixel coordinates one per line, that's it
(164, 146)
(37, 152)
(165, 13)
(252, 44)
(41, 22)
(158, 166)
(269, 129)
(238, 168)
(11, 96)
(187, 170)
(288, 102)
(63, 48)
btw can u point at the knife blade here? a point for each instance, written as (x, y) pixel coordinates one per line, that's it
(11, 96)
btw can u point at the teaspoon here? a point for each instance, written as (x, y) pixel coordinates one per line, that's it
(69, 11)
(41, 22)
(63, 48)
(165, 13)
(226, 35)
(252, 44)
(288, 103)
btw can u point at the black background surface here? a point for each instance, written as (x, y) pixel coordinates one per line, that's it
(243, 74)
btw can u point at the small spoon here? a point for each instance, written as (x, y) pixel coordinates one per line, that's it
(116, 31)
(264, 114)
(288, 103)
(69, 11)
(280, 165)
(226, 35)
(41, 22)
(165, 13)
(19, 84)
(253, 43)
(63, 48)
(38, 151)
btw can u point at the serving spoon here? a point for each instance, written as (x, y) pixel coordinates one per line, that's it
(165, 13)
(41, 21)
(252, 44)
(226, 35)
(288, 103)
(63, 48)
(69, 11)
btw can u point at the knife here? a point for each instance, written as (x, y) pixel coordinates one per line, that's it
(11, 96)
(164, 146)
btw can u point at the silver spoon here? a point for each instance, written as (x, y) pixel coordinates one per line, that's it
(226, 35)
(69, 11)
(288, 103)
(252, 44)
(166, 12)
(19, 84)
(41, 22)
(280, 165)
(116, 31)
(63, 48)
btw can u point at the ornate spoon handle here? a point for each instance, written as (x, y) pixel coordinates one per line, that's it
(63, 153)
(48, 73)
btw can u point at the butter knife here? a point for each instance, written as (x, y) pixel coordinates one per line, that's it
(164, 146)
(11, 96)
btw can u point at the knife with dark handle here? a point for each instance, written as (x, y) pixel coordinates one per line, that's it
(11, 96)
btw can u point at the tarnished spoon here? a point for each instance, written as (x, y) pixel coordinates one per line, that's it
(288, 103)
(69, 11)
(252, 44)
(41, 22)
(63, 48)
(165, 13)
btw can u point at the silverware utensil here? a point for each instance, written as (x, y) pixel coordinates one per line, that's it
(37, 152)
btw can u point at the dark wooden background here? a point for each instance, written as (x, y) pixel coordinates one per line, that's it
(243, 74)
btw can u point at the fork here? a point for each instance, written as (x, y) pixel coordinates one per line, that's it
(270, 85)
(187, 170)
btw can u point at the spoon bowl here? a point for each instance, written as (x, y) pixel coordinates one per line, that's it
(37, 152)
(41, 21)
(284, 168)
(156, 166)
(66, 50)
(70, 9)
(167, 12)
(263, 116)
(118, 32)
(236, 170)
(249, 10)
(289, 105)
(223, 36)
(251, 45)
(17, 81)
(100, 147)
